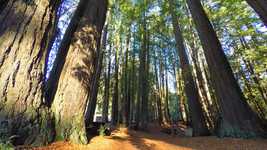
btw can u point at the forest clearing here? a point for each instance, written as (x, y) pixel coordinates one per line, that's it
(133, 74)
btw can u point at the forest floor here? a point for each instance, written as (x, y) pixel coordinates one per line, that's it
(123, 139)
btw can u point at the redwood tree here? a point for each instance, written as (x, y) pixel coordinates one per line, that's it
(195, 110)
(25, 32)
(76, 70)
(236, 117)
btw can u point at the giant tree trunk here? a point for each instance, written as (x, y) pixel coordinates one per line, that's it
(195, 110)
(260, 7)
(237, 118)
(78, 71)
(25, 33)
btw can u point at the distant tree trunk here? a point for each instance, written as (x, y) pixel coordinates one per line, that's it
(183, 105)
(91, 105)
(143, 99)
(126, 100)
(260, 7)
(167, 110)
(204, 94)
(133, 89)
(180, 117)
(195, 110)
(78, 68)
(26, 30)
(107, 89)
(115, 102)
(158, 100)
(237, 118)
(162, 91)
(179, 90)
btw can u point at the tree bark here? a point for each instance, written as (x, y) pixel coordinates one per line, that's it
(25, 33)
(195, 110)
(260, 7)
(76, 85)
(237, 118)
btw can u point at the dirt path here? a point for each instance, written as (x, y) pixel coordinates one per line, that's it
(135, 140)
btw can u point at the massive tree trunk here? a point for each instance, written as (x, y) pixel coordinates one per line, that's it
(260, 7)
(25, 32)
(75, 84)
(237, 118)
(195, 110)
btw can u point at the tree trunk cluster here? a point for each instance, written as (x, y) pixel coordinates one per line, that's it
(27, 111)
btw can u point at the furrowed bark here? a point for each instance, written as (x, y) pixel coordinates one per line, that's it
(26, 29)
(76, 71)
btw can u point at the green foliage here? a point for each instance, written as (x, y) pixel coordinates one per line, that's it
(5, 138)
(102, 130)
(5, 142)
(6, 146)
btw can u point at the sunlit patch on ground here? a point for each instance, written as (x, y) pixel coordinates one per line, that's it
(123, 139)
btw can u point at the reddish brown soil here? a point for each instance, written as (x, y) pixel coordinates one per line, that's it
(122, 139)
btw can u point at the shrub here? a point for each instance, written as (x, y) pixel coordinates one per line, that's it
(102, 130)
